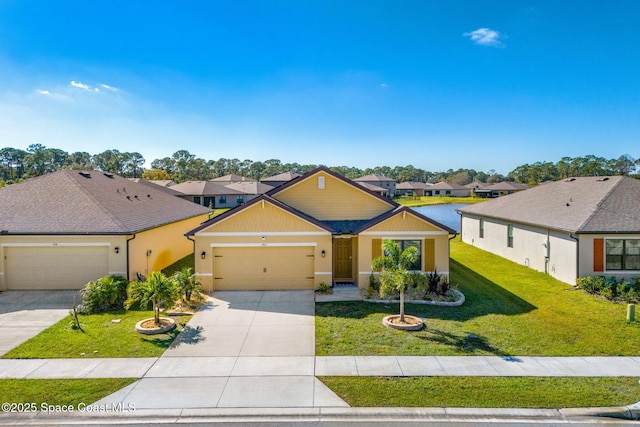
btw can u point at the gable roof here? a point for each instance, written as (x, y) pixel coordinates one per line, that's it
(412, 185)
(286, 176)
(73, 202)
(250, 187)
(576, 205)
(231, 178)
(477, 185)
(447, 186)
(205, 188)
(507, 186)
(164, 188)
(399, 210)
(336, 175)
(373, 187)
(374, 177)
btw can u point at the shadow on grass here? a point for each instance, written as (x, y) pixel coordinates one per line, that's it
(468, 343)
(483, 297)
(175, 337)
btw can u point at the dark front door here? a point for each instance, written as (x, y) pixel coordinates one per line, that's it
(343, 260)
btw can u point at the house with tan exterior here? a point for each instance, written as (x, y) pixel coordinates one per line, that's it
(382, 184)
(62, 230)
(411, 188)
(317, 228)
(448, 189)
(278, 180)
(568, 229)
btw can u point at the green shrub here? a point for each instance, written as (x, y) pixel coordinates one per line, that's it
(433, 279)
(190, 286)
(610, 288)
(373, 283)
(105, 294)
(323, 289)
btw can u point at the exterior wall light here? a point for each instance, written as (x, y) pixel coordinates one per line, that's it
(203, 255)
(116, 249)
(323, 253)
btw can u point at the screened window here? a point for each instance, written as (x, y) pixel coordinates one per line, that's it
(481, 228)
(223, 199)
(623, 254)
(404, 244)
(510, 236)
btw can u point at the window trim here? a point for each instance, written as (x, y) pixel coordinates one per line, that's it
(623, 255)
(510, 235)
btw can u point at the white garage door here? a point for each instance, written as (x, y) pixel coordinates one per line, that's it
(263, 268)
(59, 267)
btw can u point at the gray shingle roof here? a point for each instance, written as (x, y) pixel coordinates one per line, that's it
(447, 186)
(374, 177)
(286, 176)
(412, 185)
(67, 202)
(205, 188)
(507, 186)
(577, 205)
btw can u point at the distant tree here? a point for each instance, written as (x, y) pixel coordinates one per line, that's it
(460, 178)
(155, 175)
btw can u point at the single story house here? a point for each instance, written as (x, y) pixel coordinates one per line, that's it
(317, 228)
(384, 192)
(230, 179)
(380, 181)
(278, 180)
(505, 188)
(447, 189)
(410, 188)
(210, 194)
(568, 229)
(64, 229)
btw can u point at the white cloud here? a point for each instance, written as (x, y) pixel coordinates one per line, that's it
(485, 37)
(384, 85)
(43, 92)
(80, 85)
(107, 87)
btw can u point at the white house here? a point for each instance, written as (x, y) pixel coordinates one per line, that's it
(568, 229)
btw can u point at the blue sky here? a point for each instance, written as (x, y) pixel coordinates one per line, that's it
(436, 84)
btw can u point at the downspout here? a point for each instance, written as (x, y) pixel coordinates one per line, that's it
(547, 257)
(128, 240)
(194, 251)
(577, 255)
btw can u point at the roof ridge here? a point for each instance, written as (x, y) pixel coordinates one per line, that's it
(599, 204)
(97, 202)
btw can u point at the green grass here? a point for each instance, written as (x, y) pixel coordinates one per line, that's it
(509, 310)
(59, 392)
(188, 261)
(98, 334)
(482, 392)
(436, 200)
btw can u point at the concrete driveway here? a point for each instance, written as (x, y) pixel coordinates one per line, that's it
(24, 314)
(244, 349)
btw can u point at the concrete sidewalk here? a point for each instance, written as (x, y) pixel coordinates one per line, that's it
(295, 366)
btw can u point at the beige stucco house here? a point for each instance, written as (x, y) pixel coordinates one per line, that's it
(62, 230)
(568, 229)
(319, 227)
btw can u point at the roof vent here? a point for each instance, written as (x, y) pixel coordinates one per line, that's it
(124, 190)
(85, 174)
(569, 180)
(129, 197)
(108, 175)
(149, 196)
(606, 178)
(136, 197)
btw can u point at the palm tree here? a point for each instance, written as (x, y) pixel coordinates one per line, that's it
(189, 284)
(394, 266)
(157, 290)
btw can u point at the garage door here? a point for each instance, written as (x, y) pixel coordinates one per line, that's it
(60, 267)
(263, 268)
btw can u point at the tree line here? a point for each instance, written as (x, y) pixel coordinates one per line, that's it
(36, 160)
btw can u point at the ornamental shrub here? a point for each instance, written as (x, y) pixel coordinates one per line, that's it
(105, 294)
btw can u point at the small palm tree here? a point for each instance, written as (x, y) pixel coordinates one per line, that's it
(189, 284)
(157, 290)
(394, 269)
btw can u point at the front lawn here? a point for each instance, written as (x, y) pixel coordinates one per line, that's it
(509, 310)
(59, 391)
(99, 337)
(482, 392)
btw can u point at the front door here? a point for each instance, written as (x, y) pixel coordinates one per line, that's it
(343, 260)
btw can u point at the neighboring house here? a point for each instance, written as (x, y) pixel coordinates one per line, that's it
(479, 189)
(216, 194)
(210, 194)
(568, 229)
(320, 227)
(505, 188)
(278, 180)
(160, 182)
(156, 186)
(410, 188)
(380, 181)
(381, 191)
(62, 230)
(447, 189)
(230, 179)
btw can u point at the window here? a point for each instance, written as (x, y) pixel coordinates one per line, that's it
(321, 182)
(623, 254)
(510, 236)
(448, 192)
(223, 200)
(482, 228)
(240, 200)
(436, 192)
(404, 244)
(210, 202)
(196, 199)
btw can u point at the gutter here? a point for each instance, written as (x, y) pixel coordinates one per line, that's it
(128, 240)
(577, 255)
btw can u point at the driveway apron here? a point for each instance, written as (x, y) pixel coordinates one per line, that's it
(242, 349)
(24, 314)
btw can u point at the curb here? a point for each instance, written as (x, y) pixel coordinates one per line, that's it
(313, 415)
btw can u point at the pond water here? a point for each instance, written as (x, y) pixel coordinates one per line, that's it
(444, 214)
